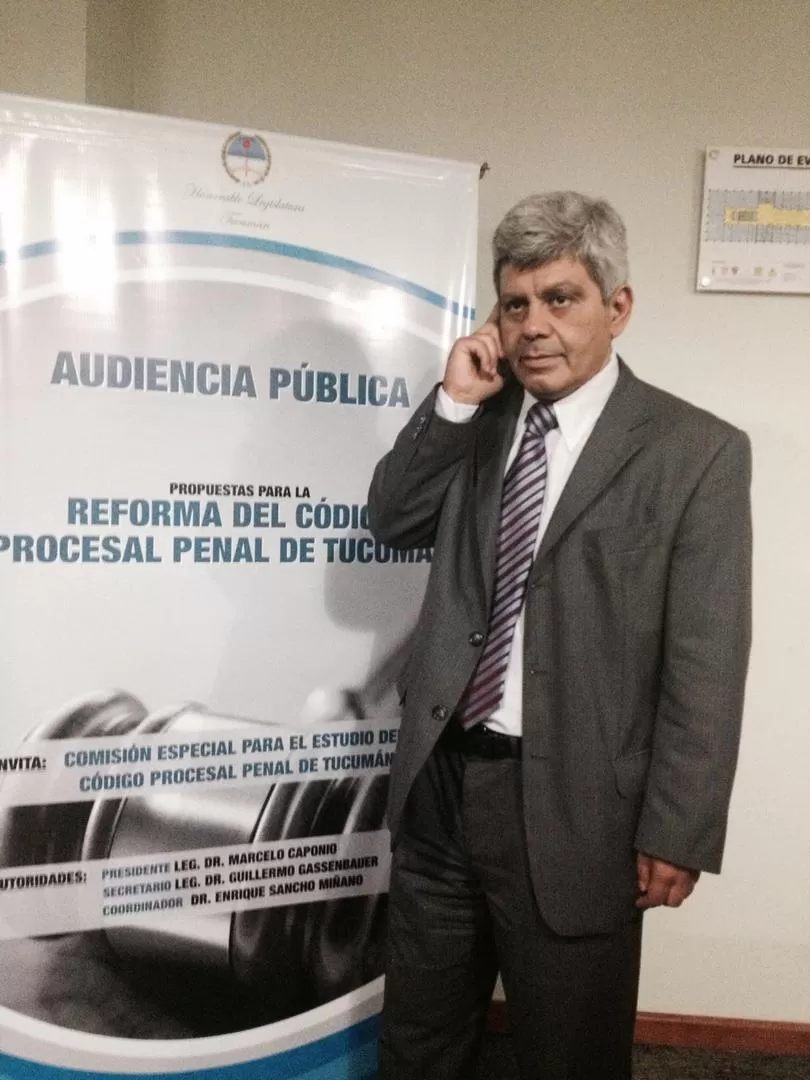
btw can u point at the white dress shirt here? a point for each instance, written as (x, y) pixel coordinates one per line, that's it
(576, 415)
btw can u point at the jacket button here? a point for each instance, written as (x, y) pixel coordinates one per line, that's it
(476, 638)
(439, 712)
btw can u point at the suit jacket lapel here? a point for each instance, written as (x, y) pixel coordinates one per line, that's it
(618, 435)
(492, 450)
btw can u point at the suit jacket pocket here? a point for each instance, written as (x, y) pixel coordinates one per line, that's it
(631, 772)
(625, 538)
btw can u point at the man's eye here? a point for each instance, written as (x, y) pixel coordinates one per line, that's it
(560, 300)
(513, 305)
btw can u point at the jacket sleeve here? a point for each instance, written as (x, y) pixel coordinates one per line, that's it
(409, 484)
(704, 666)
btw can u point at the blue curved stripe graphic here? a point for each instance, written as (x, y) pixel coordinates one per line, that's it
(267, 247)
(350, 1054)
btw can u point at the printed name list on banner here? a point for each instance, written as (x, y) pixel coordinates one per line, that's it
(208, 337)
(218, 880)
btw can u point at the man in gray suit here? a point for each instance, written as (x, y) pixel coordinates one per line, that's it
(573, 699)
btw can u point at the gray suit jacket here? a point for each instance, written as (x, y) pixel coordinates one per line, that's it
(637, 633)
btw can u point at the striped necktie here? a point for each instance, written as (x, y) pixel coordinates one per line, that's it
(524, 488)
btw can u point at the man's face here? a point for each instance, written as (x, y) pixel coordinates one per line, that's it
(556, 330)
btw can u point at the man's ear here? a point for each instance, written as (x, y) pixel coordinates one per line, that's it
(620, 307)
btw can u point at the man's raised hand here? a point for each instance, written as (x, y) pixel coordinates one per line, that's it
(472, 373)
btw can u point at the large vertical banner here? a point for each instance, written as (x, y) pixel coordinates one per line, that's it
(207, 338)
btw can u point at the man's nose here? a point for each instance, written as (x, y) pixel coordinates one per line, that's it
(537, 323)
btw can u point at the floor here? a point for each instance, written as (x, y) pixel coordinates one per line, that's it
(666, 1063)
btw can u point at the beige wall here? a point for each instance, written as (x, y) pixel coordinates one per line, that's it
(42, 48)
(617, 99)
(110, 72)
(69, 50)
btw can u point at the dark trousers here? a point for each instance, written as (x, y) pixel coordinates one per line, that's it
(461, 908)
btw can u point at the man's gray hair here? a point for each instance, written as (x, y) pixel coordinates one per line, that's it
(560, 225)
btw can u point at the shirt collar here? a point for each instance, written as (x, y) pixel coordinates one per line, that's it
(579, 411)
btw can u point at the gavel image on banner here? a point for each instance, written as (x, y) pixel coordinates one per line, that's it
(284, 959)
